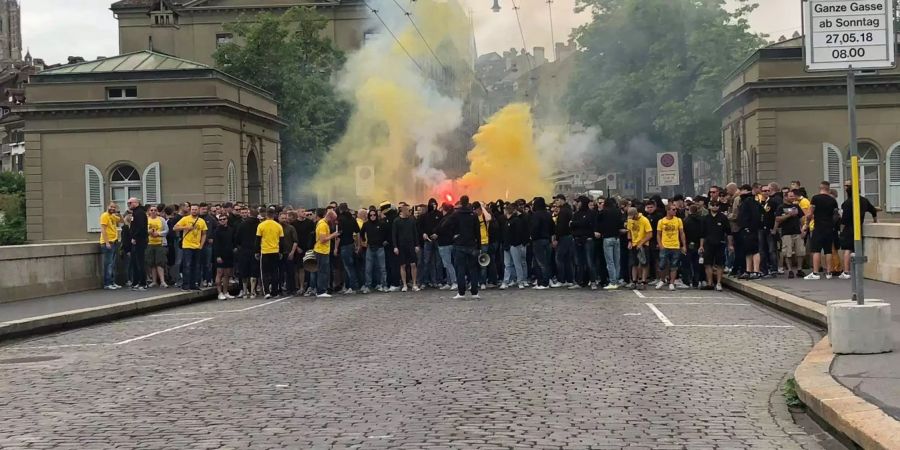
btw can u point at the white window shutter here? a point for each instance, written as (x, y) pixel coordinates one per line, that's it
(231, 182)
(93, 194)
(152, 195)
(893, 178)
(834, 169)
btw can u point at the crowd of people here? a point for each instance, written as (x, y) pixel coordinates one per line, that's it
(749, 232)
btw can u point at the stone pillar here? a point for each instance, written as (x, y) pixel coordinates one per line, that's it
(34, 188)
(213, 165)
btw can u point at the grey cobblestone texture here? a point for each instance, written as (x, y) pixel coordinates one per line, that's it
(546, 370)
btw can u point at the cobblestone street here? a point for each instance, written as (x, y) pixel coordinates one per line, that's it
(553, 369)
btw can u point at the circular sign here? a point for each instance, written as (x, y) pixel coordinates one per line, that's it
(667, 160)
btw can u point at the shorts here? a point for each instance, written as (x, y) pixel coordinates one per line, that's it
(157, 256)
(227, 261)
(637, 257)
(792, 245)
(407, 255)
(714, 255)
(247, 266)
(669, 258)
(750, 242)
(821, 241)
(846, 242)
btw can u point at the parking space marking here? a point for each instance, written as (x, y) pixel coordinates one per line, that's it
(264, 304)
(128, 341)
(662, 317)
(638, 293)
(734, 326)
(227, 311)
(705, 304)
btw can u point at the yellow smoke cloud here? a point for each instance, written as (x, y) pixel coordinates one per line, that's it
(505, 161)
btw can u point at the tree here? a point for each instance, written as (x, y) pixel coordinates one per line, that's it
(12, 208)
(656, 68)
(288, 56)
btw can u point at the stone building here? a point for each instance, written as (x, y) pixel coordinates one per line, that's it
(193, 29)
(10, 32)
(781, 123)
(143, 125)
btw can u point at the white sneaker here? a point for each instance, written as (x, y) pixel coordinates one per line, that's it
(151, 285)
(523, 286)
(660, 284)
(610, 287)
(229, 296)
(458, 297)
(404, 289)
(556, 284)
(476, 297)
(364, 291)
(593, 286)
(395, 289)
(323, 296)
(268, 296)
(812, 276)
(454, 287)
(574, 287)
(538, 287)
(164, 286)
(781, 270)
(416, 288)
(109, 288)
(221, 296)
(445, 287)
(719, 287)
(116, 286)
(828, 276)
(680, 285)
(671, 287)
(845, 276)
(504, 287)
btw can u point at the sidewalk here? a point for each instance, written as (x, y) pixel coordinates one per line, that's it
(865, 405)
(66, 311)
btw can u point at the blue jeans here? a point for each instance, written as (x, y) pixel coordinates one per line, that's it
(514, 262)
(206, 262)
(584, 257)
(541, 248)
(693, 271)
(427, 264)
(109, 263)
(376, 275)
(612, 253)
(489, 273)
(565, 247)
(323, 276)
(191, 258)
(347, 253)
(446, 253)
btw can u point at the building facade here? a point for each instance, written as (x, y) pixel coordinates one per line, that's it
(193, 29)
(10, 32)
(781, 123)
(143, 125)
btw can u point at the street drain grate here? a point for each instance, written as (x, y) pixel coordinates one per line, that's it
(32, 359)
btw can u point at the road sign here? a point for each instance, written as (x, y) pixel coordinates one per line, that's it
(651, 181)
(668, 169)
(611, 180)
(845, 34)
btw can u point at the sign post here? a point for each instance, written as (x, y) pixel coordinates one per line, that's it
(668, 169)
(850, 35)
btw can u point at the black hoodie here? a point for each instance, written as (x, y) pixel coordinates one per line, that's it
(246, 234)
(541, 221)
(374, 232)
(463, 225)
(584, 221)
(564, 221)
(749, 213)
(515, 232)
(445, 234)
(429, 221)
(139, 224)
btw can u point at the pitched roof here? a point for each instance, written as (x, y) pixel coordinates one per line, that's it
(143, 60)
(131, 4)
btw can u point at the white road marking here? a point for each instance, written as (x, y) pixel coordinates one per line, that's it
(227, 311)
(46, 347)
(638, 293)
(260, 306)
(735, 326)
(631, 314)
(690, 298)
(704, 304)
(662, 317)
(127, 341)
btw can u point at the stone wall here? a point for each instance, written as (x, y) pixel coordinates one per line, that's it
(39, 270)
(882, 242)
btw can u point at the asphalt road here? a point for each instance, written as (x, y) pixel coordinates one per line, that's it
(519, 369)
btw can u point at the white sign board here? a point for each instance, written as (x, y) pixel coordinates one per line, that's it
(668, 169)
(611, 181)
(651, 181)
(365, 180)
(845, 34)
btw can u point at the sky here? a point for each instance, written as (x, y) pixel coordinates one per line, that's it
(56, 29)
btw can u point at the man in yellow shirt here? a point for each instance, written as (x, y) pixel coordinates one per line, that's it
(322, 249)
(639, 234)
(193, 230)
(269, 234)
(672, 244)
(109, 244)
(157, 229)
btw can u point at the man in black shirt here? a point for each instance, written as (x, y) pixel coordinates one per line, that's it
(846, 243)
(787, 222)
(139, 239)
(768, 236)
(823, 209)
(463, 225)
(347, 245)
(406, 247)
(715, 232)
(749, 221)
(564, 243)
(245, 241)
(541, 230)
(373, 236)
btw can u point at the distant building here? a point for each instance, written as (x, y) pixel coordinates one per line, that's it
(10, 32)
(781, 123)
(143, 125)
(193, 29)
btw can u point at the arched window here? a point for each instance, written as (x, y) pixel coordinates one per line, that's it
(273, 185)
(231, 185)
(124, 183)
(869, 172)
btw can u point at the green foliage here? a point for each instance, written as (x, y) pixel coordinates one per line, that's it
(12, 208)
(656, 68)
(789, 390)
(288, 56)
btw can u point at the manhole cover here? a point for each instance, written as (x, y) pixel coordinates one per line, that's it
(32, 359)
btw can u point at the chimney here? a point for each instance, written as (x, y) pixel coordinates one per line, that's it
(539, 55)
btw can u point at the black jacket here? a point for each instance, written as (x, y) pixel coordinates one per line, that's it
(444, 233)
(541, 225)
(463, 224)
(306, 234)
(716, 228)
(139, 224)
(769, 210)
(374, 233)
(584, 222)
(749, 214)
(563, 222)
(404, 234)
(223, 242)
(610, 222)
(429, 221)
(693, 229)
(246, 234)
(515, 232)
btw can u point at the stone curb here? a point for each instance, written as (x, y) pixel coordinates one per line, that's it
(80, 317)
(862, 422)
